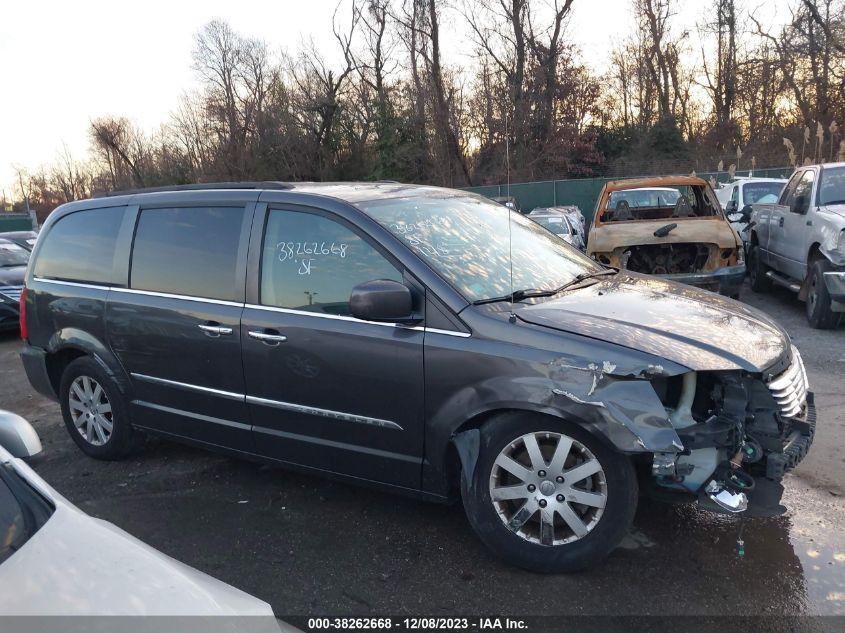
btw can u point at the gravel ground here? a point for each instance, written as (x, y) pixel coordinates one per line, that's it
(314, 547)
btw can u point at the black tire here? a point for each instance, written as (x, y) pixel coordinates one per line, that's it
(757, 278)
(122, 438)
(610, 528)
(819, 312)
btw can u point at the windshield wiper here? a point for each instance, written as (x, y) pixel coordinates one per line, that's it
(663, 231)
(584, 277)
(519, 295)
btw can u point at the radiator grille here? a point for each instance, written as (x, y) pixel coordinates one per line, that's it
(12, 292)
(790, 387)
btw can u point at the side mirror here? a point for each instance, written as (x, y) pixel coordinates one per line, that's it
(382, 300)
(17, 435)
(746, 212)
(799, 204)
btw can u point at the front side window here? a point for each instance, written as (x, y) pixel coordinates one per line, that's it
(80, 247)
(190, 251)
(803, 190)
(789, 190)
(311, 263)
(468, 240)
(12, 255)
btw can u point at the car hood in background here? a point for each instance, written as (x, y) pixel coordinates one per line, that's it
(76, 565)
(838, 209)
(12, 275)
(695, 328)
(606, 237)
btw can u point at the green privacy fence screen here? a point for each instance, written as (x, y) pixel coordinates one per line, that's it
(584, 192)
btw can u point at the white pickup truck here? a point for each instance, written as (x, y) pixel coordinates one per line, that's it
(799, 242)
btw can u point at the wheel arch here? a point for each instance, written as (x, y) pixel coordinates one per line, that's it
(68, 344)
(814, 253)
(464, 444)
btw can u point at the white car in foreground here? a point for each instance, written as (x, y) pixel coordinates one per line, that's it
(55, 560)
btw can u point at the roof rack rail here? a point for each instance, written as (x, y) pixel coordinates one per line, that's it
(270, 184)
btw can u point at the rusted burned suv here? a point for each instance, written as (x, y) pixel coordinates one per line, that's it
(422, 340)
(671, 226)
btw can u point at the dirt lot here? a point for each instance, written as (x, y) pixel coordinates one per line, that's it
(309, 546)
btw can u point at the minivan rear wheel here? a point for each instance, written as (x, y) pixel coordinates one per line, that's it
(547, 495)
(94, 411)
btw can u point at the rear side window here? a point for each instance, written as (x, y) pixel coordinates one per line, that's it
(80, 247)
(189, 251)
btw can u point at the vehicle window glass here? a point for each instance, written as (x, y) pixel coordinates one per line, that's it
(735, 194)
(80, 246)
(311, 263)
(759, 192)
(557, 224)
(13, 532)
(189, 251)
(786, 194)
(804, 188)
(832, 186)
(465, 239)
(12, 255)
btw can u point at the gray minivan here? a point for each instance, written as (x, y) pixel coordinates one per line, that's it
(423, 340)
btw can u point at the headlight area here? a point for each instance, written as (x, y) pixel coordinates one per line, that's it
(740, 434)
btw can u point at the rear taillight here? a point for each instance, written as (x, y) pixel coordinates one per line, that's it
(22, 310)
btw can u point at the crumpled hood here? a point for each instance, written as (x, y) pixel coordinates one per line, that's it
(12, 276)
(695, 328)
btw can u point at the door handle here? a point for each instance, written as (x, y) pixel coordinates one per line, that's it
(215, 330)
(268, 337)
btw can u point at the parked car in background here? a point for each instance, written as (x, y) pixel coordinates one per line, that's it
(422, 340)
(508, 201)
(565, 225)
(24, 239)
(13, 261)
(673, 227)
(55, 560)
(737, 196)
(798, 242)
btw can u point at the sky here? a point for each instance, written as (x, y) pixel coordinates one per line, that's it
(64, 63)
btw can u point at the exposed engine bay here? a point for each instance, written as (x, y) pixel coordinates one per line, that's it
(666, 259)
(740, 435)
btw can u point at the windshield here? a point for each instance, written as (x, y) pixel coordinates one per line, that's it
(12, 255)
(761, 192)
(22, 511)
(557, 224)
(465, 239)
(683, 201)
(832, 187)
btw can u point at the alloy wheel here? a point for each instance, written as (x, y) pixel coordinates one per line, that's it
(548, 488)
(91, 410)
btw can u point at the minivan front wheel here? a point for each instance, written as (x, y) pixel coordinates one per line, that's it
(548, 496)
(93, 411)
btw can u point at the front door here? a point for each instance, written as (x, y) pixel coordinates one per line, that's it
(324, 389)
(176, 329)
(777, 224)
(793, 234)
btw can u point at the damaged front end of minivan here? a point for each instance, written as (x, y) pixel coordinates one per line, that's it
(726, 437)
